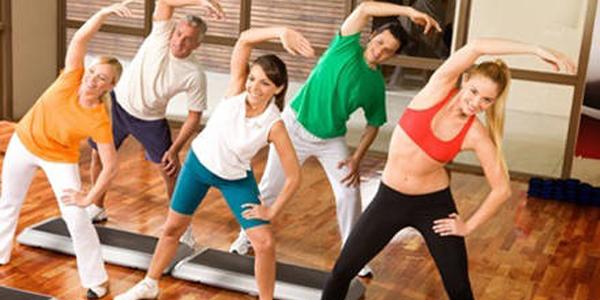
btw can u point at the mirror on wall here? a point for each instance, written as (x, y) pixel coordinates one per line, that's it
(535, 129)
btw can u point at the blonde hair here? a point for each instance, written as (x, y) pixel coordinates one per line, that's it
(498, 72)
(118, 68)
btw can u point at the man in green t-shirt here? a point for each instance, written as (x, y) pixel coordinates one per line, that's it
(346, 78)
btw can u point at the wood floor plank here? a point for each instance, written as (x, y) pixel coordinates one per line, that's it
(533, 249)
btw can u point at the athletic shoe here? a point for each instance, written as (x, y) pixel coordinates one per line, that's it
(145, 289)
(96, 214)
(97, 292)
(241, 245)
(188, 238)
(366, 272)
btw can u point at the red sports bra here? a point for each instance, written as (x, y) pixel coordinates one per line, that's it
(417, 125)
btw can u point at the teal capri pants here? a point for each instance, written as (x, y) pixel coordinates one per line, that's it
(195, 179)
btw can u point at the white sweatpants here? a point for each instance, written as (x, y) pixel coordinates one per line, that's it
(328, 152)
(17, 173)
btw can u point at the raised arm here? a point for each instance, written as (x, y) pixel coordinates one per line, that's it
(292, 41)
(466, 56)
(165, 8)
(78, 45)
(359, 18)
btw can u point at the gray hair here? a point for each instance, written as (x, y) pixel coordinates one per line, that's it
(198, 23)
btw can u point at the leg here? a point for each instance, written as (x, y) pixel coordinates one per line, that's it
(263, 243)
(155, 136)
(168, 180)
(85, 238)
(375, 228)
(238, 193)
(449, 252)
(168, 243)
(347, 198)
(17, 173)
(189, 191)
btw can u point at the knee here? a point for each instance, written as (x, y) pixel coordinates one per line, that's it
(347, 195)
(263, 242)
(174, 230)
(77, 220)
(341, 273)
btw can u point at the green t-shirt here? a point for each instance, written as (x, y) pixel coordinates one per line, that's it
(340, 83)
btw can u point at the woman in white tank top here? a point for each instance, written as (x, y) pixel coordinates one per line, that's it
(244, 122)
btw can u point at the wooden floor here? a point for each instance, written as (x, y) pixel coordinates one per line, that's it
(532, 249)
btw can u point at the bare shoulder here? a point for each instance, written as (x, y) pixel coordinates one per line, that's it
(476, 136)
(278, 131)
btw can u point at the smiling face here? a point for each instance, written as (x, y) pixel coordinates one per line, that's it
(381, 47)
(259, 87)
(478, 93)
(98, 80)
(184, 39)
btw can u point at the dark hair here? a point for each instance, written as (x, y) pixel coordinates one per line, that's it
(276, 71)
(397, 32)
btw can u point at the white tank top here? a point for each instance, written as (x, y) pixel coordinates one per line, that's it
(230, 139)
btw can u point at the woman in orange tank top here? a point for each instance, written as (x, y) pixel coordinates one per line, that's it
(440, 122)
(48, 137)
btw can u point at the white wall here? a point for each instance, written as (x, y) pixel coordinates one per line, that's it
(557, 24)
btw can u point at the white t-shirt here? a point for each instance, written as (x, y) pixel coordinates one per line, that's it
(230, 139)
(155, 76)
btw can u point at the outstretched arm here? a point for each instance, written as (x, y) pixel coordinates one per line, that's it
(466, 56)
(78, 45)
(292, 41)
(359, 18)
(165, 8)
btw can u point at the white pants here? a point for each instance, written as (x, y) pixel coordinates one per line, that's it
(19, 168)
(329, 152)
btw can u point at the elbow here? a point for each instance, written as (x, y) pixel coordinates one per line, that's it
(111, 170)
(475, 46)
(245, 37)
(504, 193)
(363, 8)
(294, 180)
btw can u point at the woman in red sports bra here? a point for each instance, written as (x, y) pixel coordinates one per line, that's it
(440, 122)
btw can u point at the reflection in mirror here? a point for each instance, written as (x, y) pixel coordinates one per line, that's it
(535, 129)
(433, 45)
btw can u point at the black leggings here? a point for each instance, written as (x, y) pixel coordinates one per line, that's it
(388, 213)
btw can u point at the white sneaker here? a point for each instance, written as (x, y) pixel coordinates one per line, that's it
(145, 289)
(188, 238)
(96, 213)
(366, 271)
(97, 292)
(241, 245)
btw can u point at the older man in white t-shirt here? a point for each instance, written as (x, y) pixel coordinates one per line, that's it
(162, 68)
